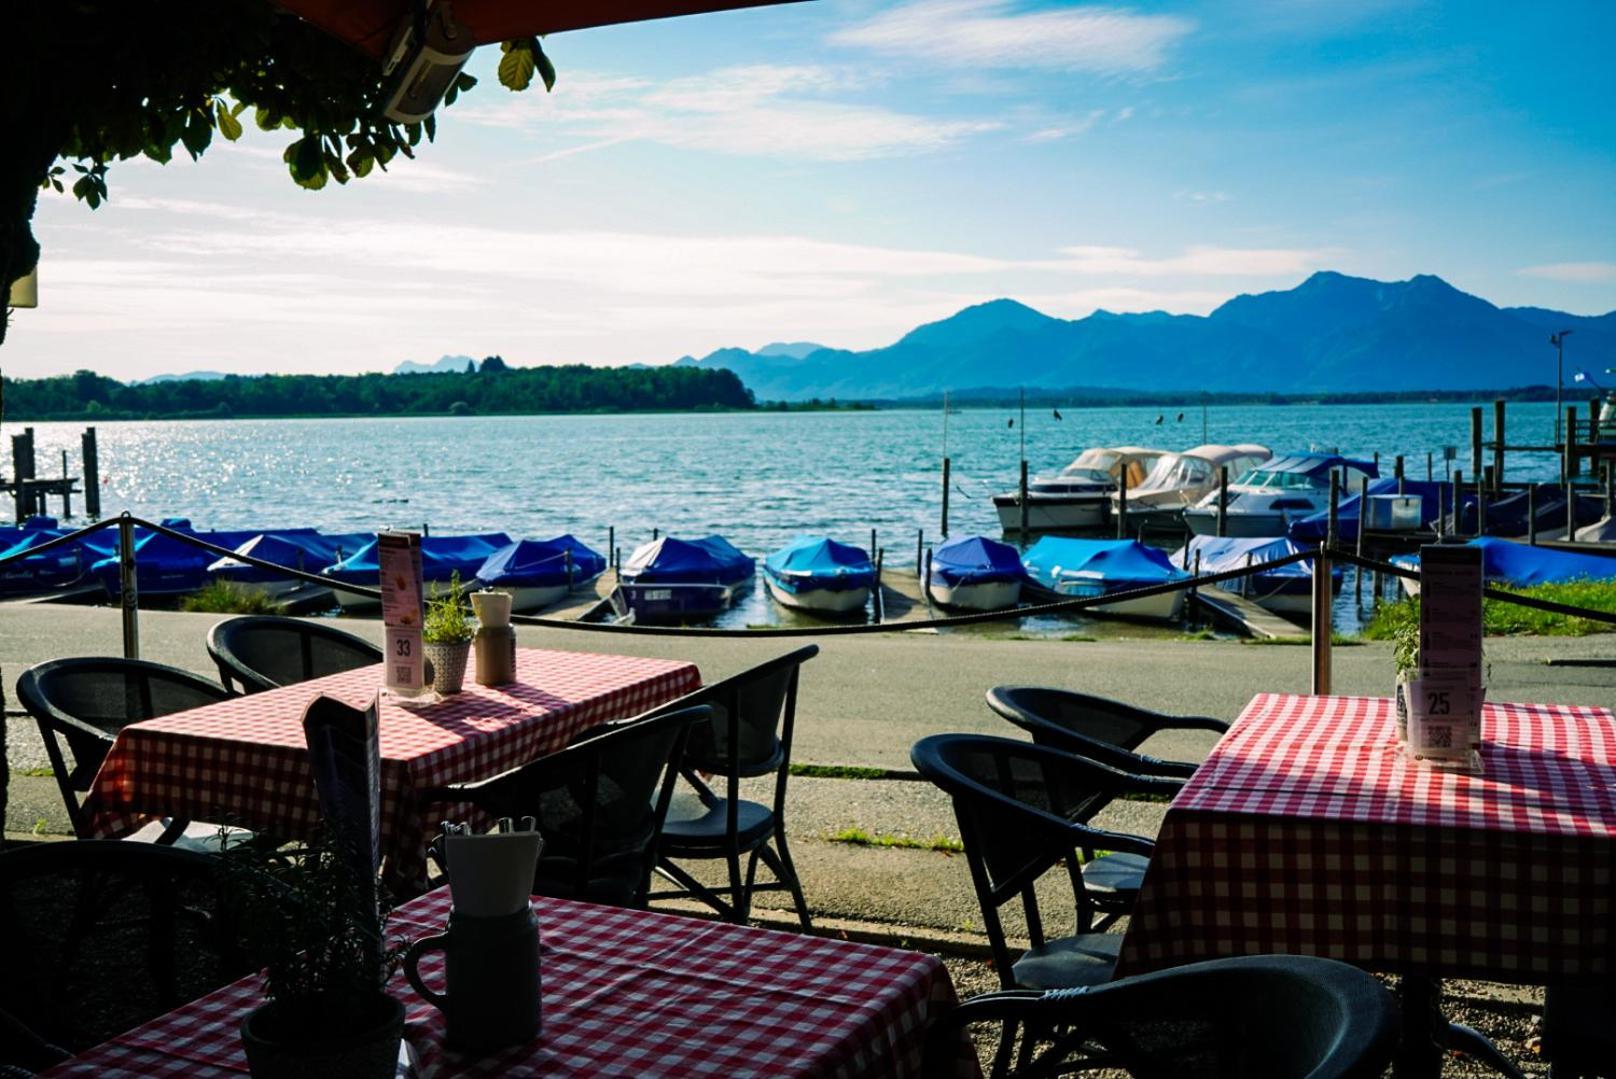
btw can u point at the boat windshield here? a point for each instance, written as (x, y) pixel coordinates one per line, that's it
(1096, 460)
(1173, 472)
(1073, 474)
(1268, 479)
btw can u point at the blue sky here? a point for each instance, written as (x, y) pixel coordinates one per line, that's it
(842, 171)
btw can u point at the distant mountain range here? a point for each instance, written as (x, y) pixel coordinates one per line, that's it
(443, 363)
(1330, 334)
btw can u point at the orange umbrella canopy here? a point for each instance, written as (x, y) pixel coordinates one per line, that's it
(370, 24)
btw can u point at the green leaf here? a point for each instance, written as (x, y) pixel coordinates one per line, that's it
(85, 191)
(516, 66)
(229, 126)
(430, 125)
(547, 70)
(266, 119)
(197, 134)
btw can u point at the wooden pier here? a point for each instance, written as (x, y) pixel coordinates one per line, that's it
(1243, 615)
(31, 493)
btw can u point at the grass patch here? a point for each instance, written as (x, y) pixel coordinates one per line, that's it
(37, 773)
(1202, 634)
(1501, 619)
(837, 771)
(227, 597)
(858, 837)
(1340, 640)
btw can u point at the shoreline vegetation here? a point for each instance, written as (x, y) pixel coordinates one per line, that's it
(1499, 619)
(493, 388)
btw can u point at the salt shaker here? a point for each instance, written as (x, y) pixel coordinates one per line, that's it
(494, 647)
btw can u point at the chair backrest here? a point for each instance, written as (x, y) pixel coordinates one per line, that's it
(1096, 727)
(259, 652)
(104, 935)
(1257, 1017)
(600, 804)
(1020, 809)
(87, 701)
(754, 716)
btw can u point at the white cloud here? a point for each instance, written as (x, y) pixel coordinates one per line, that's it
(1066, 131)
(1573, 271)
(987, 33)
(1197, 261)
(757, 110)
(1204, 197)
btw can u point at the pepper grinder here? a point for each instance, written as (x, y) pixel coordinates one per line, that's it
(495, 644)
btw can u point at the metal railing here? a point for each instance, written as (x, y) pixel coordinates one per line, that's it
(1322, 595)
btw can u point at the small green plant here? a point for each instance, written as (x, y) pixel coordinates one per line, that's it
(827, 771)
(228, 597)
(446, 619)
(859, 837)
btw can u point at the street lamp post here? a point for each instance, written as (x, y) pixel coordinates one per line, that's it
(1558, 341)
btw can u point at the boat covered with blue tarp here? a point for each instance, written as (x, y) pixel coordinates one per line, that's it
(1521, 565)
(1310, 531)
(441, 558)
(301, 549)
(1067, 568)
(167, 565)
(1287, 589)
(672, 579)
(816, 573)
(538, 573)
(975, 573)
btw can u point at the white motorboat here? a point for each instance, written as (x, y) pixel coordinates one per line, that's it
(819, 575)
(1180, 480)
(1076, 498)
(975, 573)
(1266, 499)
(1063, 568)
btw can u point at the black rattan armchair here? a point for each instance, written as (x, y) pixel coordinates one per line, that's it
(259, 652)
(103, 935)
(1096, 727)
(1020, 809)
(81, 705)
(1259, 1017)
(599, 804)
(749, 736)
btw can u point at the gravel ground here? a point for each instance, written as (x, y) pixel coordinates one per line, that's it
(1506, 1014)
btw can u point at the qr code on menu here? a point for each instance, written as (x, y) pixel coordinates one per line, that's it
(1439, 737)
(401, 674)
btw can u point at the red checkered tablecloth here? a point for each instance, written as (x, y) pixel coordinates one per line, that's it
(244, 761)
(625, 993)
(1307, 831)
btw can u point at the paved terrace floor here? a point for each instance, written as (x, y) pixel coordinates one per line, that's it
(864, 701)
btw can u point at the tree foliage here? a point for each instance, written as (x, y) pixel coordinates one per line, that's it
(514, 390)
(92, 82)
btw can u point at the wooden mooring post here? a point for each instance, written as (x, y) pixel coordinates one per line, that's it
(1223, 500)
(1122, 505)
(945, 498)
(1572, 465)
(1531, 514)
(1498, 440)
(1363, 520)
(1321, 621)
(1022, 502)
(1475, 441)
(611, 544)
(92, 474)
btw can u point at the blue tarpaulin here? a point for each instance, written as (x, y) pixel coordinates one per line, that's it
(1521, 565)
(710, 560)
(303, 549)
(441, 556)
(1317, 464)
(819, 563)
(1119, 564)
(1310, 531)
(1219, 554)
(975, 560)
(540, 564)
(165, 565)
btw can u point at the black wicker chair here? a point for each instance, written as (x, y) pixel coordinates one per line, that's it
(599, 804)
(1579, 1031)
(1260, 1017)
(259, 652)
(1020, 809)
(1096, 727)
(749, 736)
(81, 704)
(104, 935)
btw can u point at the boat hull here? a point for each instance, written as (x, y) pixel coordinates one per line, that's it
(536, 597)
(1162, 607)
(658, 603)
(1053, 513)
(819, 600)
(1203, 521)
(980, 596)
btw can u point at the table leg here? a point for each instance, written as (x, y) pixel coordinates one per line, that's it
(1419, 1052)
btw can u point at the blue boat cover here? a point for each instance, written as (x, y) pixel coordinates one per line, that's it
(975, 560)
(1317, 464)
(1310, 531)
(817, 562)
(164, 564)
(1521, 565)
(441, 556)
(1219, 554)
(1124, 563)
(540, 564)
(55, 568)
(303, 549)
(710, 560)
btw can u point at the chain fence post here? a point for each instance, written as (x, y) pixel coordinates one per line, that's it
(129, 597)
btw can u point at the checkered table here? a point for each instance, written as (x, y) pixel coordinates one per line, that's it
(627, 993)
(245, 762)
(1306, 831)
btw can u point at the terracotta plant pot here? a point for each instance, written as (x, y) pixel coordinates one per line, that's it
(446, 666)
(278, 1045)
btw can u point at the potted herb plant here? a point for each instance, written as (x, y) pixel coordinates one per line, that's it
(320, 937)
(1406, 660)
(446, 638)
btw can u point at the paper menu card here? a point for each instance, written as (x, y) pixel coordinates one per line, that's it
(398, 554)
(1445, 694)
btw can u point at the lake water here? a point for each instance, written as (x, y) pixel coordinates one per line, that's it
(758, 479)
